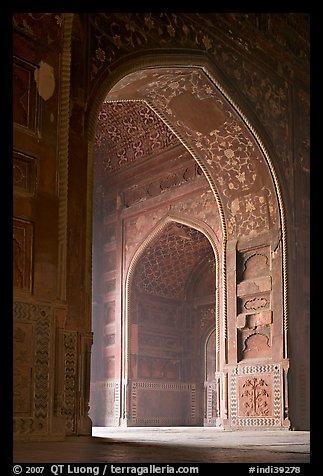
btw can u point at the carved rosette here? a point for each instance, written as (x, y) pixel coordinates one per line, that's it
(255, 396)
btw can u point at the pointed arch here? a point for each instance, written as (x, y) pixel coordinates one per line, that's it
(229, 247)
(201, 62)
(192, 223)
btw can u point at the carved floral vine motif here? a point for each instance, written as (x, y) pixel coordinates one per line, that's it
(256, 397)
(221, 142)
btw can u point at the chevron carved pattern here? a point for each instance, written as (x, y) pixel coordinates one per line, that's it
(70, 387)
(41, 317)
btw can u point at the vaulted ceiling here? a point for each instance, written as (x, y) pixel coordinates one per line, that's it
(168, 262)
(129, 133)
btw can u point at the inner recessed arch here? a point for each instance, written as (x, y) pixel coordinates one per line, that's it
(151, 372)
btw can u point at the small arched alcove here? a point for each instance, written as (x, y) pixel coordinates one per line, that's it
(172, 299)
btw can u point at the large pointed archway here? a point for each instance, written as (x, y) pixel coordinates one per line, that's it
(253, 277)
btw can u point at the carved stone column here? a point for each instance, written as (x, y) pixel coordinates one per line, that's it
(84, 424)
(58, 420)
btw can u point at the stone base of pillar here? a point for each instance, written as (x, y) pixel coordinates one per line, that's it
(84, 426)
(58, 427)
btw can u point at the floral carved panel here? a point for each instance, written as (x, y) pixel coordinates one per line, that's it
(128, 133)
(255, 396)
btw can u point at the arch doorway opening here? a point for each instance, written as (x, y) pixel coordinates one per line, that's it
(171, 311)
(174, 162)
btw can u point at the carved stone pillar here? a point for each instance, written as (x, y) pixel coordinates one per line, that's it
(58, 421)
(84, 424)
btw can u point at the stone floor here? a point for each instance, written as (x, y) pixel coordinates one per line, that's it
(170, 445)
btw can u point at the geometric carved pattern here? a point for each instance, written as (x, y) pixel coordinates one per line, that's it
(25, 98)
(22, 254)
(163, 404)
(24, 173)
(168, 261)
(211, 411)
(128, 133)
(255, 396)
(70, 386)
(105, 403)
(112, 399)
(40, 317)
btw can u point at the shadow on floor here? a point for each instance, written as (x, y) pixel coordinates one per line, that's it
(109, 450)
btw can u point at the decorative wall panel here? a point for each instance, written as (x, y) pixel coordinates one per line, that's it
(32, 361)
(105, 403)
(33, 26)
(22, 254)
(254, 306)
(256, 396)
(24, 173)
(25, 97)
(211, 407)
(23, 358)
(163, 404)
(70, 384)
